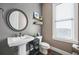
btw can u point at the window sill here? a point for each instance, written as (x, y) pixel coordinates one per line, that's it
(66, 40)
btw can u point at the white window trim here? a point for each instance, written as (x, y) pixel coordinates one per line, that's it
(75, 26)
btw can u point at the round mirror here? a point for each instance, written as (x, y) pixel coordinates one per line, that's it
(17, 20)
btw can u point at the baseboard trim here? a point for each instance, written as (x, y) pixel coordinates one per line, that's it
(60, 51)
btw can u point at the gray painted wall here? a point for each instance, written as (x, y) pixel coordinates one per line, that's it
(5, 31)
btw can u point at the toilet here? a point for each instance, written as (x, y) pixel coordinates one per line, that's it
(43, 46)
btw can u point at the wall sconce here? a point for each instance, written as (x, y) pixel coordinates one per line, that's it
(2, 12)
(2, 9)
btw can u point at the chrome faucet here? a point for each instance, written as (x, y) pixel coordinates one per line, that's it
(20, 34)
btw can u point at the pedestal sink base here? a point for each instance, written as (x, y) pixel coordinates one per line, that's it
(22, 49)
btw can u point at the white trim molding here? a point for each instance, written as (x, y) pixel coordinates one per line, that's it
(60, 51)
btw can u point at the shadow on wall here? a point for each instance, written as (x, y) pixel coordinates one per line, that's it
(5, 49)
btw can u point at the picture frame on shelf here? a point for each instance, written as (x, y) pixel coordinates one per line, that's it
(36, 15)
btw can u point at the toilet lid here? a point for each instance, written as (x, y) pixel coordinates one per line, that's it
(44, 44)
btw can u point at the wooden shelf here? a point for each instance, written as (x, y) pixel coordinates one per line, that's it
(38, 19)
(38, 23)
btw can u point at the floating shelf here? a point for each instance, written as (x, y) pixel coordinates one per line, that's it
(38, 23)
(38, 19)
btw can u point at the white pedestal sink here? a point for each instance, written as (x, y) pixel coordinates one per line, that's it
(20, 42)
(22, 49)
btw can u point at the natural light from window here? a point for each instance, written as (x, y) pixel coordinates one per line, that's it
(63, 21)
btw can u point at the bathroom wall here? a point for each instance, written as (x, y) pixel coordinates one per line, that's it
(5, 31)
(47, 29)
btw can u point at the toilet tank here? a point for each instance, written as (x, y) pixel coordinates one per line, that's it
(40, 38)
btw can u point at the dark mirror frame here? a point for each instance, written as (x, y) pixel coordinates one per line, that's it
(8, 22)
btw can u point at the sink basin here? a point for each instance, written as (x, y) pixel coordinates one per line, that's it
(20, 42)
(16, 41)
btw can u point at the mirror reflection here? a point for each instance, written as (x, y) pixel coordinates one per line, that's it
(17, 20)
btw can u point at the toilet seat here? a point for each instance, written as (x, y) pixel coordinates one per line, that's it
(44, 45)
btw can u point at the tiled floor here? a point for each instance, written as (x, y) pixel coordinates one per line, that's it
(55, 53)
(51, 53)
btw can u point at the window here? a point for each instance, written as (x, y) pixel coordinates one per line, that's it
(63, 21)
